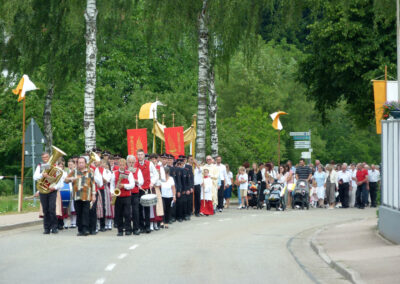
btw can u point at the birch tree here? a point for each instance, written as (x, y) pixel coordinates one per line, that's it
(90, 87)
(230, 23)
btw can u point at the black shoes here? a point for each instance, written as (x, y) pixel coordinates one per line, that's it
(46, 232)
(84, 233)
(128, 233)
(148, 231)
(136, 232)
(180, 220)
(197, 215)
(54, 231)
(120, 234)
(102, 229)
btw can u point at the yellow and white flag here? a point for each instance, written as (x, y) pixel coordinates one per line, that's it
(24, 85)
(384, 91)
(276, 123)
(147, 110)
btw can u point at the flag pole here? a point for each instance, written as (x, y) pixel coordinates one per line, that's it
(154, 131)
(173, 119)
(137, 121)
(279, 148)
(162, 144)
(21, 188)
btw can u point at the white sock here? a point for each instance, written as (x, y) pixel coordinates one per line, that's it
(151, 226)
(73, 220)
(155, 225)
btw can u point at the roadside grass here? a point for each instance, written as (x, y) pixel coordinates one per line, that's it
(9, 205)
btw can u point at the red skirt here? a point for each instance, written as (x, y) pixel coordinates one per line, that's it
(206, 207)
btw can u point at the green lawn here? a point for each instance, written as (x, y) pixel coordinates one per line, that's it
(9, 204)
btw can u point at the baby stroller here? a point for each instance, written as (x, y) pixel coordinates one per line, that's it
(275, 196)
(252, 195)
(301, 194)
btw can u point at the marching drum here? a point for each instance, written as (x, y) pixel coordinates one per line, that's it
(148, 200)
(65, 193)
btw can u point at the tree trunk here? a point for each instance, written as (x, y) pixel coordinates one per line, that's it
(90, 87)
(212, 113)
(48, 132)
(202, 85)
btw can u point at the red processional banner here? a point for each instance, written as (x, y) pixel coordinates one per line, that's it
(174, 142)
(137, 139)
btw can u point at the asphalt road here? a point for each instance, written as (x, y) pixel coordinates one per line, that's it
(236, 246)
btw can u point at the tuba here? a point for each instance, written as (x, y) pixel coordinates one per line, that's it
(54, 173)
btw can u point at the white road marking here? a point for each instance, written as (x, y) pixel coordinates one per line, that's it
(206, 223)
(254, 215)
(100, 281)
(133, 247)
(122, 255)
(226, 219)
(110, 267)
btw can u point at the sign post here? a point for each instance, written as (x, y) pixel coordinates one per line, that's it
(35, 139)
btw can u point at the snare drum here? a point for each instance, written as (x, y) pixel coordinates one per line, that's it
(148, 200)
(65, 193)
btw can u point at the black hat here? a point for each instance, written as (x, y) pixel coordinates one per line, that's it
(106, 153)
(182, 157)
(163, 155)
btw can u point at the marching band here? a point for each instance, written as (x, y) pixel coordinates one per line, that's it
(139, 194)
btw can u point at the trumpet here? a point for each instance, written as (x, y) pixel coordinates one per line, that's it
(93, 158)
(117, 191)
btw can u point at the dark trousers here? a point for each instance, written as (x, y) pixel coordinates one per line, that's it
(144, 214)
(221, 195)
(344, 194)
(361, 195)
(103, 198)
(197, 194)
(373, 188)
(82, 215)
(93, 217)
(123, 207)
(180, 206)
(167, 208)
(189, 202)
(48, 202)
(173, 211)
(135, 198)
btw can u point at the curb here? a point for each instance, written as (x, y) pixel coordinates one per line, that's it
(348, 273)
(20, 225)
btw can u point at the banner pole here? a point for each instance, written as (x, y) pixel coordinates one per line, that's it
(162, 144)
(279, 148)
(154, 131)
(137, 121)
(21, 188)
(173, 119)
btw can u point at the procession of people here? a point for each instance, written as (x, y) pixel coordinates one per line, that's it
(139, 194)
(144, 193)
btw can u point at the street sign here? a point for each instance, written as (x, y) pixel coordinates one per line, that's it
(33, 133)
(306, 155)
(296, 138)
(299, 133)
(297, 143)
(301, 146)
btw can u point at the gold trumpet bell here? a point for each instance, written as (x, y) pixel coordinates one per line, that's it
(117, 192)
(93, 158)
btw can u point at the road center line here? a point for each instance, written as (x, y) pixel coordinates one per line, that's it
(133, 247)
(110, 267)
(100, 281)
(122, 255)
